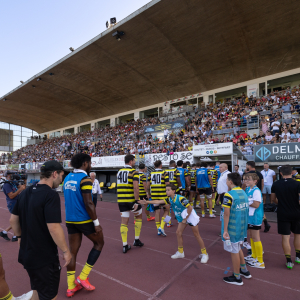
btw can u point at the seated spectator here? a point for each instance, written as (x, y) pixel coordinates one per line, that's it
(268, 137)
(285, 139)
(295, 134)
(285, 132)
(275, 126)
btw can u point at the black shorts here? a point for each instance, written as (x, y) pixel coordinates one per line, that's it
(207, 191)
(85, 228)
(254, 227)
(285, 227)
(193, 188)
(127, 206)
(45, 280)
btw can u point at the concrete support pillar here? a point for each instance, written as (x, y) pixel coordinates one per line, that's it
(136, 115)
(112, 122)
(75, 129)
(92, 126)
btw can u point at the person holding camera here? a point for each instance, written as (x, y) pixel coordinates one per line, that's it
(11, 190)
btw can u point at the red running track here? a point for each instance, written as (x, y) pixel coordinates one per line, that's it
(150, 273)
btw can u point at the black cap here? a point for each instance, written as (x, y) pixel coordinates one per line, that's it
(51, 165)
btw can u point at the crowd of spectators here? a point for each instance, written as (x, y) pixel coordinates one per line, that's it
(275, 115)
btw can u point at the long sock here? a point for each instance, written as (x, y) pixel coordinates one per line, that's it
(162, 223)
(180, 249)
(288, 258)
(71, 280)
(298, 253)
(244, 268)
(253, 249)
(213, 203)
(92, 258)
(170, 222)
(259, 251)
(265, 221)
(9, 296)
(197, 202)
(203, 212)
(203, 251)
(210, 211)
(137, 228)
(124, 230)
(238, 276)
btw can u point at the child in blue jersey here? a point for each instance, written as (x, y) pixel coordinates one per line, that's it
(234, 227)
(255, 219)
(182, 207)
(184, 178)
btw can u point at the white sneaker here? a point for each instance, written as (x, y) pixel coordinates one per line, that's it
(26, 296)
(212, 216)
(198, 206)
(204, 258)
(214, 211)
(256, 264)
(247, 245)
(249, 258)
(178, 255)
(161, 231)
(203, 216)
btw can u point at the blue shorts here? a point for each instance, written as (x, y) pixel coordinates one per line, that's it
(267, 189)
(11, 205)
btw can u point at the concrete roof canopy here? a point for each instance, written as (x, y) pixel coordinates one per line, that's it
(170, 49)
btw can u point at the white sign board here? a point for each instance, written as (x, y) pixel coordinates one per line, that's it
(252, 90)
(242, 164)
(165, 158)
(2, 167)
(108, 161)
(213, 149)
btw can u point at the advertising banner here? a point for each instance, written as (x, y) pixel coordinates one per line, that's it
(3, 167)
(185, 156)
(277, 152)
(213, 149)
(161, 127)
(67, 164)
(108, 161)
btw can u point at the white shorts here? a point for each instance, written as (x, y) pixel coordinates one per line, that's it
(267, 189)
(236, 247)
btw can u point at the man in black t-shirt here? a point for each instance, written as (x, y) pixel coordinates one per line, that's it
(287, 192)
(36, 217)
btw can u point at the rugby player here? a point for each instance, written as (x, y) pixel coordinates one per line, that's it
(193, 186)
(157, 185)
(179, 204)
(81, 218)
(128, 195)
(184, 178)
(143, 188)
(214, 175)
(204, 185)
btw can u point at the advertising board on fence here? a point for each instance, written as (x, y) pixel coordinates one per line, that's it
(108, 161)
(213, 149)
(277, 152)
(165, 158)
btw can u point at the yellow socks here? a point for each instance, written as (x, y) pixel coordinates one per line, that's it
(180, 249)
(253, 249)
(210, 211)
(124, 230)
(213, 203)
(137, 228)
(170, 222)
(203, 251)
(259, 251)
(162, 223)
(85, 271)
(203, 212)
(7, 297)
(71, 280)
(157, 225)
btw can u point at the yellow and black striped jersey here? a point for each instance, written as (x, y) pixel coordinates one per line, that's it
(296, 177)
(125, 178)
(214, 175)
(158, 180)
(173, 174)
(193, 176)
(142, 179)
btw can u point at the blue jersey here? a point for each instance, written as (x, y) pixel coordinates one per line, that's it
(178, 204)
(219, 173)
(202, 178)
(183, 174)
(257, 218)
(237, 201)
(76, 184)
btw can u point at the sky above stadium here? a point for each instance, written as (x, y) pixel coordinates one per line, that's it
(35, 34)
